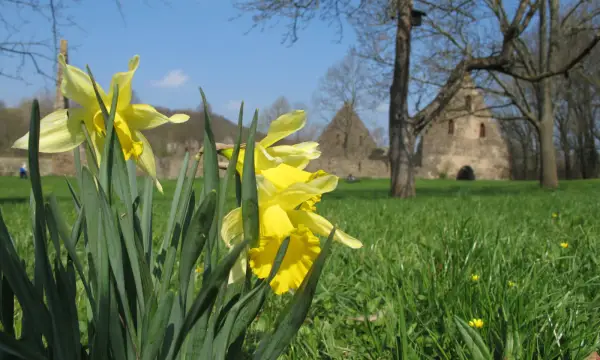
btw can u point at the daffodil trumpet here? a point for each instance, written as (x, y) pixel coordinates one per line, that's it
(61, 130)
(286, 205)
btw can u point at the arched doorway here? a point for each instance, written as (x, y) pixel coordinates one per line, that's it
(465, 173)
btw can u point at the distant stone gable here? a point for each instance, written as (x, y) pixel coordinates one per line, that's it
(346, 136)
(465, 135)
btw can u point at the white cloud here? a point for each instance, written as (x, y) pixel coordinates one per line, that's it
(173, 79)
(383, 107)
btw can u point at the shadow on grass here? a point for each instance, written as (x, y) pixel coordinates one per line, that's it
(437, 188)
(13, 200)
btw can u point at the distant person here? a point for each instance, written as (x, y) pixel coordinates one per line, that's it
(351, 179)
(23, 171)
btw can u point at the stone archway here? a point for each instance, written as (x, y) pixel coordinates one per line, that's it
(466, 173)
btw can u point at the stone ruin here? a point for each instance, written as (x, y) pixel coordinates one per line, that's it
(464, 137)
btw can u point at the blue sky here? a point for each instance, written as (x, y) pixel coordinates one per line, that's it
(188, 44)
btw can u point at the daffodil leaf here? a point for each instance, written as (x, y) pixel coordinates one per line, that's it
(291, 318)
(99, 249)
(158, 327)
(18, 348)
(194, 241)
(249, 191)
(204, 301)
(474, 342)
(146, 220)
(211, 182)
(211, 166)
(69, 244)
(231, 168)
(106, 167)
(7, 306)
(237, 320)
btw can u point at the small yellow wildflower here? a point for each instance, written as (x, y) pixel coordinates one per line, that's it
(61, 130)
(476, 323)
(511, 284)
(555, 215)
(198, 269)
(564, 245)
(474, 277)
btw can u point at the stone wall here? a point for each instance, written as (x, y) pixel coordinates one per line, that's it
(343, 167)
(466, 135)
(169, 167)
(9, 166)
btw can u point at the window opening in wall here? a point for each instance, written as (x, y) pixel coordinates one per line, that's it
(451, 127)
(469, 103)
(481, 130)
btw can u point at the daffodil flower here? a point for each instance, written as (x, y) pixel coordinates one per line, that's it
(61, 131)
(267, 156)
(282, 192)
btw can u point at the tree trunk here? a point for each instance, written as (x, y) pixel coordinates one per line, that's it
(402, 138)
(549, 171)
(567, 156)
(525, 170)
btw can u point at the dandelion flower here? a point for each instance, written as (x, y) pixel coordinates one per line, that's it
(564, 245)
(474, 277)
(476, 323)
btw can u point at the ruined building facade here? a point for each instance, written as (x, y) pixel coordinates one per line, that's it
(464, 135)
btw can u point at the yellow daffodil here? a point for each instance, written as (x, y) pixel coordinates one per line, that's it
(476, 323)
(286, 198)
(564, 245)
(474, 277)
(61, 131)
(267, 156)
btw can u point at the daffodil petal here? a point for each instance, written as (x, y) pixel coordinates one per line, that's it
(238, 271)
(58, 133)
(146, 159)
(319, 225)
(123, 80)
(267, 192)
(298, 155)
(284, 126)
(298, 193)
(284, 175)
(145, 117)
(274, 222)
(232, 229)
(77, 85)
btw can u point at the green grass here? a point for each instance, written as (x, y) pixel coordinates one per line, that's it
(417, 261)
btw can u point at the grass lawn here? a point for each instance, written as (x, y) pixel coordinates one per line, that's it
(418, 261)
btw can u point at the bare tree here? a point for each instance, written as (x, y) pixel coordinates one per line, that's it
(280, 106)
(385, 28)
(19, 53)
(379, 135)
(313, 127)
(343, 92)
(200, 108)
